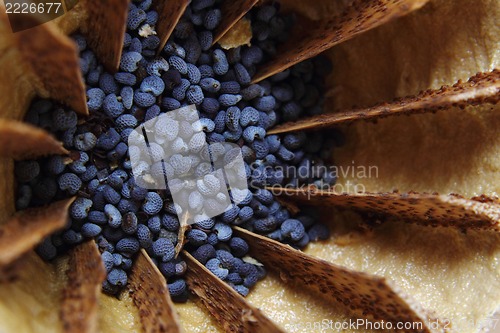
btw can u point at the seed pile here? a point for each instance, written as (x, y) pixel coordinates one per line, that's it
(124, 217)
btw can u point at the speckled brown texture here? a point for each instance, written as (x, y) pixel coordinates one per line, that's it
(105, 28)
(72, 20)
(359, 17)
(368, 296)
(27, 228)
(54, 66)
(149, 291)
(7, 203)
(181, 234)
(22, 141)
(425, 209)
(85, 275)
(15, 83)
(169, 13)
(481, 89)
(290, 205)
(232, 12)
(229, 308)
(10, 272)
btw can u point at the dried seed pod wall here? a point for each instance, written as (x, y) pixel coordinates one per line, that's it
(375, 266)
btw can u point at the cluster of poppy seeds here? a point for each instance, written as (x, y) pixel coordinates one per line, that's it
(123, 217)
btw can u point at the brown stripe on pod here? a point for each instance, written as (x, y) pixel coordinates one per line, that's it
(181, 235)
(232, 12)
(361, 16)
(421, 208)
(104, 28)
(15, 86)
(229, 308)
(149, 292)
(12, 271)
(29, 227)
(482, 88)
(80, 295)
(23, 141)
(365, 295)
(53, 65)
(169, 13)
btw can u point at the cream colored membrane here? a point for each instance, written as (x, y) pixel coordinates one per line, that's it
(194, 318)
(457, 275)
(31, 304)
(296, 310)
(413, 153)
(36, 295)
(451, 151)
(240, 34)
(118, 316)
(454, 274)
(438, 44)
(291, 308)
